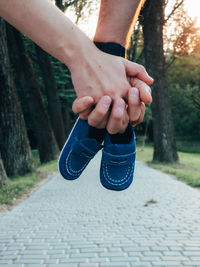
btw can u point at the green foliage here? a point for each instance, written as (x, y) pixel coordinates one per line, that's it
(135, 51)
(184, 84)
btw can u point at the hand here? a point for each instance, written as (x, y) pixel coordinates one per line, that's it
(101, 117)
(99, 74)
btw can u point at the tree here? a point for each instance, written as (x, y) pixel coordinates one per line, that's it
(47, 146)
(14, 144)
(181, 36)
(3, 175)
(135, 51)
(54, 106)
(163, 129)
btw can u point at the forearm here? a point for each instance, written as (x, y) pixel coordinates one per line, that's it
(115, 20)
(47, 26)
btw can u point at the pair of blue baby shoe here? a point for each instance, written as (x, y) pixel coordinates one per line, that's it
(118, 158)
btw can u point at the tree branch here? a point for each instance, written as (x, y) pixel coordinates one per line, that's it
(176, 6)
(70, 3)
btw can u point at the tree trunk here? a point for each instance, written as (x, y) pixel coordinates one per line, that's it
(163, 130)
(47, 146)
(14, 145)
(3, 175)
(68, 121)
(54, 106)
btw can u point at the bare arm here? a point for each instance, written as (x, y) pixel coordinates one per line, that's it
(116, 20)
(47, 26)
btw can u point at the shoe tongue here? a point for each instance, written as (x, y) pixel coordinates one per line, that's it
(124, 138)
(91, 144)
(120, 149)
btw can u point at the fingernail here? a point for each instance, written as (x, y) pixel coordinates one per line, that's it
(106, 101)
(134, 92)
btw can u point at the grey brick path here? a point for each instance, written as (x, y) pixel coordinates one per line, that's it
(82, 224)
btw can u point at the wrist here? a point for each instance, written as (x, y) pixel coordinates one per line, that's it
(75, 53)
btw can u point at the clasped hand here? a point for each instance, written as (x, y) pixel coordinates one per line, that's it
(111, 91)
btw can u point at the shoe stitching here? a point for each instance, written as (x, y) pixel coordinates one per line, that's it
(128, 172)
(113, 180)
(118, 184)
(120, 156)
(68, 164)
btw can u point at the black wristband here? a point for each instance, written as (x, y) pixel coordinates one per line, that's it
(111, 48)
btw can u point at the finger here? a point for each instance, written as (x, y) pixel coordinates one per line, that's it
(134, 69)
(104, 122)
(141, 118)
(82, 104)
(115, 123)
(144, 90)
(99, 113)
(124, 122)
(134, 104)
(84, 115)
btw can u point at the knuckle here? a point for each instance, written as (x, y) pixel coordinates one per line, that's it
(118, 117)
(99, 112)
(112, 92)
(125, 85)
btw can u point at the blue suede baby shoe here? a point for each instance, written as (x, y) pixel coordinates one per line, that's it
(118, 161)
(78, 150)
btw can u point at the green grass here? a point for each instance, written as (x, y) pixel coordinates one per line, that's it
(21, 185)
(188, 168)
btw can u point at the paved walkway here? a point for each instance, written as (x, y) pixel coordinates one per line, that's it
(156, 222)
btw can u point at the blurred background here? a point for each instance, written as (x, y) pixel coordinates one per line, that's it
(36, 93)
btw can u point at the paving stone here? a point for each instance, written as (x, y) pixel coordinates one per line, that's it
(125, 259)
(191, 263)
(29, 261)
(73, 260)
(112, 254)
(4, 261)
(166, 263)
(63, 265)
(114, 264)
(88, 264)
(94, 250)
